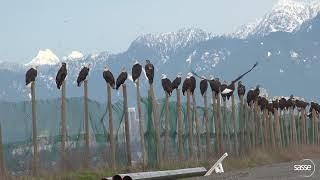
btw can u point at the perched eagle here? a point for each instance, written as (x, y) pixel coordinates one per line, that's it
(177, 81)
(61, 75)
(203, 85)
(186, 84)
(121, 78)
(224, 90)
(241, 89)
(136, 71)
(166, 84)
(149, 68)
(215, 85)
(108, 76)
(252, 95)
(31, 75)
(282, 103)
(83, 74)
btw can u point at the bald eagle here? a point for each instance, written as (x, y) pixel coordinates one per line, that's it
(224, 90)
(31, 75)
(166, 84)
(61, 75)
(121, 78)
(136, 71)
(149, 68)
(187, 84)
(176, 82)
(203, 85)
(241, 89)
(108, 77)
(83, 74)
(215, 85)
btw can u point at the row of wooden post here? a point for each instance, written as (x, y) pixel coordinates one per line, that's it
(254, 131)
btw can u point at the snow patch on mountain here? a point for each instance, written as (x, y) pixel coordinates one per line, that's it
(285, 16)
(44, 57)
(73, 56)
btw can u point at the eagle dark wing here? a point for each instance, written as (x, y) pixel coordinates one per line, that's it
(241, 76)
(136, 71)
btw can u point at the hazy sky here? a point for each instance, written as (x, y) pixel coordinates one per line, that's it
(105, 25)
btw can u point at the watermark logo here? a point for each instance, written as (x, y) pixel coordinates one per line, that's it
(304, 168)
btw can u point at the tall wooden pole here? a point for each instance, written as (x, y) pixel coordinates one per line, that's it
(293, 127)
(86, 125)
(241, 125)
(263, 129)
(206, 117)
(253, 126)
(111, 136)
(126, 123)
(303, 121)
(156, 124)
(215, 122)
(3, 174)
(272, 131)
(180, 130)
(220, 124)
(63, 126)
(234, 125)
(197, 125)
(141, 124)
(166, 128)
(277, 128)
(34, 131)
(229, 146)
(248, 140)
(190, 125)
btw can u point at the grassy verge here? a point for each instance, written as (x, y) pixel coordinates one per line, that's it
(255, 158)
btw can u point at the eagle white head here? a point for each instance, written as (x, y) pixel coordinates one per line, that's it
(106, 68)
(88, 65)
(136, 62)
(203, 77)
(179, 74)
(189, 75)
(123, 69)
(35, 67)
(211, 77)
(163, 76)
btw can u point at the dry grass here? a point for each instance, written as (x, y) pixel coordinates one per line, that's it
(255, 158)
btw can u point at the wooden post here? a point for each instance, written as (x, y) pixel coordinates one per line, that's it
(86, 126)
(253, 126)
(157, 125)
(126, 124)
(111, 136)
(273, 142)
(180, 130)
(281, 122)
(304, 126)
(229, 146)
(215, 122)
(241, 125)
(220, 124)
(35, 156)
(141, 124)
(63, 126)
(206, 117)
(190, 125)
(257, 123)
(247, 127)
(293, 127)
(197, 125)
(234, 125)
(166, 128)
(277, 128)
(286, 129)
(262, 129)
(3, 173)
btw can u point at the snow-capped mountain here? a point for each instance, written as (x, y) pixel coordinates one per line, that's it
(44, 57)
(285, 16)
(73, 56)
